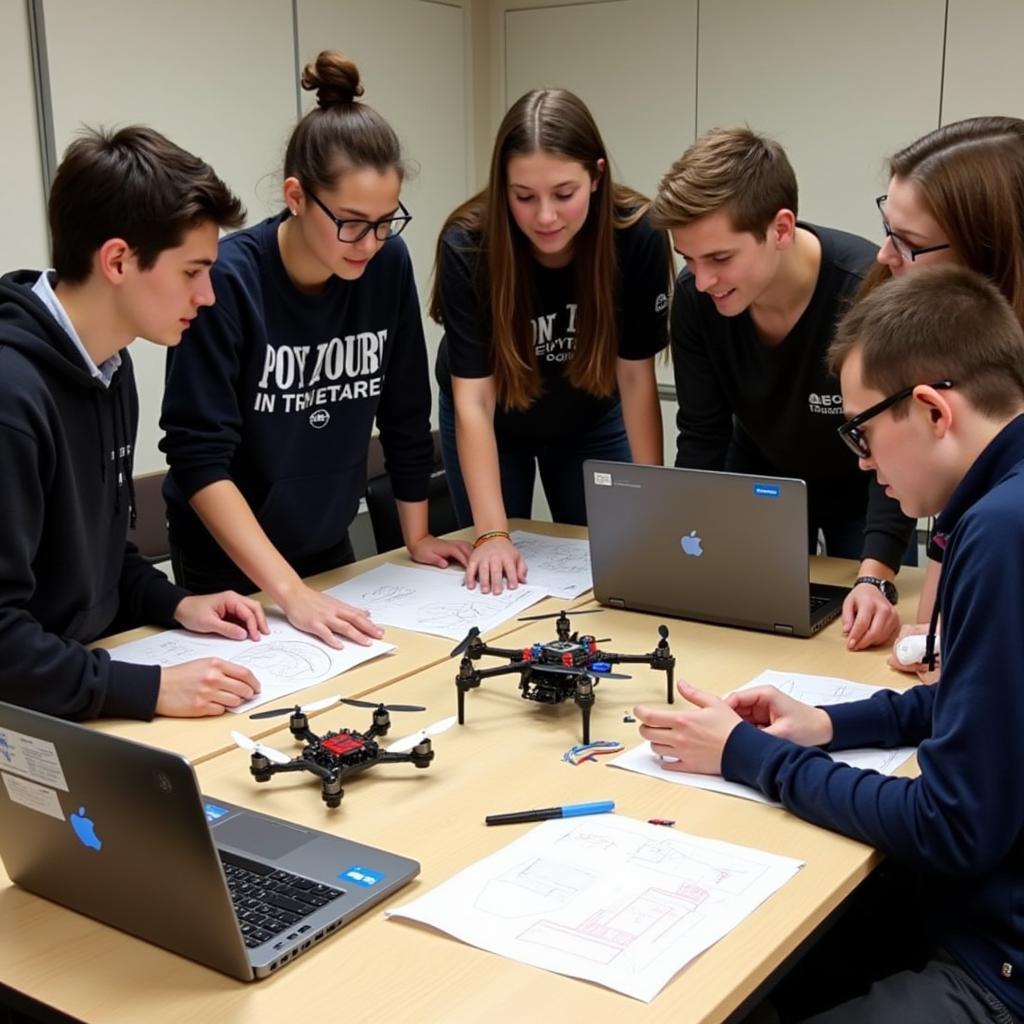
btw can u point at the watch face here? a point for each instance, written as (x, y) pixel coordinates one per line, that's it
(889, 590)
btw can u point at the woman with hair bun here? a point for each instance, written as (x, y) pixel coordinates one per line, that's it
(552, 288)
(316, 333)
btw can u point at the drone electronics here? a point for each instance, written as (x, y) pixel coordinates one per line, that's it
(549, 673)
(336, 756)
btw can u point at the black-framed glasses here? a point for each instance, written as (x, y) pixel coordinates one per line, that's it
(906, 251)
(851, 431)
(357, 230)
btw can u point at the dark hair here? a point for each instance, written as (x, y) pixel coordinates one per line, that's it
(969, 176)
(942, 322)
(733, 169)
(338, 133)
(546, 121)
(133, 184)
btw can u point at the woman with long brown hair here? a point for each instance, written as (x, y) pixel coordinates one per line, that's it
(553, 292)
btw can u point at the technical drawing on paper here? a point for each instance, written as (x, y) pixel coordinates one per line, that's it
(385, 595)
(286, 660)
(560, 565)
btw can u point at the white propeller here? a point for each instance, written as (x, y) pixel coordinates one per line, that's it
(406, 743)
(318, 705)
(255, 747)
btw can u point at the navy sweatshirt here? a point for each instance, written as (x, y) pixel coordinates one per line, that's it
(960, 821)
(66, 571)
(277, 390)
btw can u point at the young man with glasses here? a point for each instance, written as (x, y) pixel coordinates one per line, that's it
(932, 376)
(316, 336)
(753, 314)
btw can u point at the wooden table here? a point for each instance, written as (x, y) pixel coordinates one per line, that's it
(506, 756)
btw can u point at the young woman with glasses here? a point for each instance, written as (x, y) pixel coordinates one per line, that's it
(552, 288)
(956, 195)
(316, 333)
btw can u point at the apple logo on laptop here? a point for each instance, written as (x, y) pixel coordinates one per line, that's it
(85, 830)
(691, 545)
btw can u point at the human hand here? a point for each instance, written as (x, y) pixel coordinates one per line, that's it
(695, 738)
(492, 561)
(226, 613)
(781, 715)
(868, 617)
(328, 618)
(207, 686)
(429, 550)
(918, 668)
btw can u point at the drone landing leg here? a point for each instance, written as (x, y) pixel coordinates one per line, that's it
(462, 706)
(671, 674)
(585, 712)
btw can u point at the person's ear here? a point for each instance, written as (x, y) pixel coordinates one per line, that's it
(782, 230)
(937, 408)
(601, 166)
(294, 196)
(113, 259)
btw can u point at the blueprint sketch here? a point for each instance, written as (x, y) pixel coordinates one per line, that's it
(432, 600)
(810, 689)
(606, 898)
(284, 661)
(559, 565)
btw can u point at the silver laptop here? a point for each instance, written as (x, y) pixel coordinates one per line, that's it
(119, 831)
(719, 547)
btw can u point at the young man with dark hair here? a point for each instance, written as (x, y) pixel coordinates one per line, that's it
(134, 221)
(932, 375)
(752, 317)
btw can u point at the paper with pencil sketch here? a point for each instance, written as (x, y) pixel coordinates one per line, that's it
(432, 600)
(558, 564)
(284, 661)
(809, 689)
(605, 898)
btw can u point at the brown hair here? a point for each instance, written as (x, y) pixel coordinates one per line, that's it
(339, 133)
(732, 169)
(970, 178)
(942, 322)
(133, 184)
(558, 122)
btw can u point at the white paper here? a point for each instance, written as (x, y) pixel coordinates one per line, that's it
(33, 796)
(34, 758)
(284, 661)
(606, 898)
(432, 600)
(559, 565)
(809, 689)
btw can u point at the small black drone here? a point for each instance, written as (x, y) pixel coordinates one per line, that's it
(570, 666)
(336, 756)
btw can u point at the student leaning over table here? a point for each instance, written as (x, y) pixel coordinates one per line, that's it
(134, 223)
(317, 332)
(932, 376)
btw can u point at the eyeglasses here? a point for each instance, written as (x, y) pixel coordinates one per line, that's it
(851, 431)
(903, 248)
(357, 230)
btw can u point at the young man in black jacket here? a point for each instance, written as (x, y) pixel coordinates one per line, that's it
(753, 314)
(134, 221)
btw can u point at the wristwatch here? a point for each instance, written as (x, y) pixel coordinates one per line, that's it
(887, 587)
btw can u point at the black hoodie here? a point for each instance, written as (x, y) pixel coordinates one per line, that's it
(66, 570)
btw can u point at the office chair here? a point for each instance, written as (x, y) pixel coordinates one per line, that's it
(150, 533)
(380, 500)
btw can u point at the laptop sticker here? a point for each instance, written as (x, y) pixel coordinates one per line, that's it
(358, 875)
(603, 479)
(33, 796)
(213, 812)
(34, 758)
(767, 491)
(85, 830)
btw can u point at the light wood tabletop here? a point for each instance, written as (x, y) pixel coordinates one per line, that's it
(506, 757)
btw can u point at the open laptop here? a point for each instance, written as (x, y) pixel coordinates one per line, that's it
(119, 831)
(719, 547)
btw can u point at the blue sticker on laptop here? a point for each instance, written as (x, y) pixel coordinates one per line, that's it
(358, 875)
(767, 490)
(213, 812)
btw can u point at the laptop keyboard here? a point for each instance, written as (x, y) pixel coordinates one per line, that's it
(267, 901)
(817, 601)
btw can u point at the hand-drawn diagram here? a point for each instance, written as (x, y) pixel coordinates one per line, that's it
(560, 565)
(281, 661)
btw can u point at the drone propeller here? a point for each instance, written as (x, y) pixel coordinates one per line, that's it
(255, 747)
(555, 615)
(579, 670)
(326, 702)
(663, 631)
(406, 743)
(465, 642)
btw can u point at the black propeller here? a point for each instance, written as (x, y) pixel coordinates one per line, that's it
(663, 631)
(555, 615)
(465, 642)
(317, 705)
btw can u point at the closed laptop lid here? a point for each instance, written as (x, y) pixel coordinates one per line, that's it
(719, 547)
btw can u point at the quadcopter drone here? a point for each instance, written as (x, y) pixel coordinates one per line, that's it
(549, 673)
(336, 756)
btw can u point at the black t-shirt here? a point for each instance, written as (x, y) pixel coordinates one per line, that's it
(561, 410)
(777, 407)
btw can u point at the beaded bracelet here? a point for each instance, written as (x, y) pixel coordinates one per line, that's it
(490, 535)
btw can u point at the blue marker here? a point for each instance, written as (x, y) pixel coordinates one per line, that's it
(568, 811)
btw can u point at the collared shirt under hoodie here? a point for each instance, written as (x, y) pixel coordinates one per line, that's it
(66, 571)
(961, 821)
